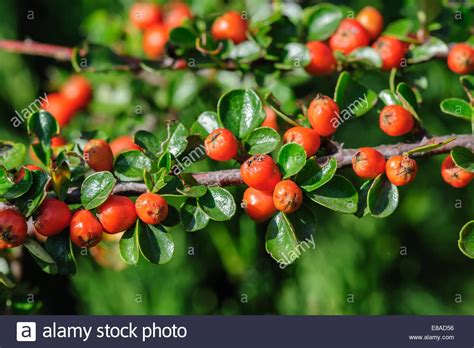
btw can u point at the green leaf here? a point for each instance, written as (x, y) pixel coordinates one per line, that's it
(323, 21)
(61, 179)
(148, 142)
(286, 239)
(353, 98)
(466, 239)
(130, 165)
(408, 98)
(10, 189)
(362, 208)
(262, 140)
(429, 49)
(129, 247)
(245, 52)
(173, 217)
(60, 248)
(193, 217)
(183, 37)
(96, 189)
(98, 59)
(194, 191)
(429, 147)
(399, 29)
(44, 126)
(156, 244)
(366, 56)
(6, 281)
(382, 197)
(218, 204)
(291, 159)
(463, 157)
(32, 199)
(37, 250)
(296, 55)
(389, 97)
(178, 139)
(467, 82)
(205, 123)
(458, 108)
(338, 194)
(240, 111)
(12, 155)
(313, 176)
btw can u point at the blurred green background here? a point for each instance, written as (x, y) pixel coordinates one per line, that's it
(357, 267)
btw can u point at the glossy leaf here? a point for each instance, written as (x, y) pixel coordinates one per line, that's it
(31, 200)
(323, 21)
(389, 97)
(12, 155)
(129, 165)
(41, 256)
(313, 176)
(240, 111)
(193, 217)
(9, 189)
(148, 142)
(218, 204)
(458, 108)
(466, 239)
(96, 189)
(366, 56)
(291, 159)
(338, 194)
(353, 98)
(429, 49)
(44, 126)
(399, 29)
(156, 244)
(60, 248)
(463, 157)
(205, 123)
(382, 197)
(408, 98)
(262, 140)
(129, 247)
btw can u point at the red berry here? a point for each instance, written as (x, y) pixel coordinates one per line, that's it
(78, 91)
(306, 137)
(368, 163)
(260, 172)
(85, 229)
(322, 60)
(230, 26)
(396, 120)
(349, 35)
(154, 40)
(391, 51)
(144, 15)
(122, 144)
(98, 155)
(461, 59)
(117, 214)
(287, 196)
(371, 19)
(58, 141)
(176, 14)
(323, 115)
(60, 107)
(52, 218)
(401, 170)
(13, 229)
(454, 175)
(270, 119)
(258, 204)
(221, 145)
(151, 208)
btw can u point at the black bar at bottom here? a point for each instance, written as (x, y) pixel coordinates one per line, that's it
(239, 331)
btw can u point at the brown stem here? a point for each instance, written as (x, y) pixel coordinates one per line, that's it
(231, 177)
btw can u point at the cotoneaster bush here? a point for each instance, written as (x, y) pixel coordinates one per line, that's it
(91, 188)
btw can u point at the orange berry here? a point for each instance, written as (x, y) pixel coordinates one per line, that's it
(461, 59)
(154, 40)
(368, 163)
(230, 26)
(287, 196)
(60, 107)
(98, 155)
(117, 214)
(78, 91)
(122, 144)
(258, 204)
(270, 119)
(151, 208)
(143, 15)
(322, 60)
(395, 120)
(85, 229)
(260, 172)
(401, 170)
(391, 51)
(176, 14)
(349, 35)
(221, 145)
(371, 19)
(322, 114)
(306, 137)
(454, 175)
